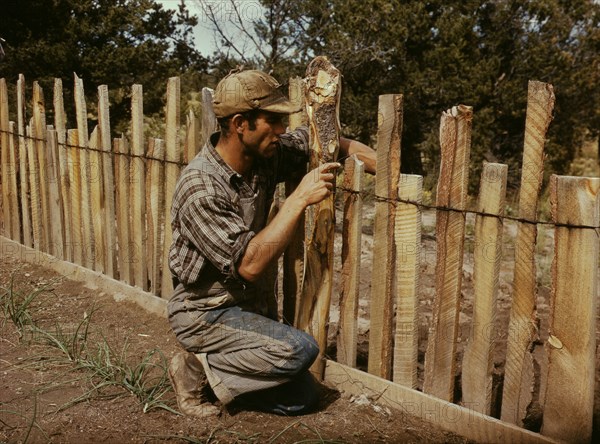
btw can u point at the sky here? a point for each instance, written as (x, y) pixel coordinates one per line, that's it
(204, 34)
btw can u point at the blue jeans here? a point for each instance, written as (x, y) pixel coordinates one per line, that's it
(260, 362)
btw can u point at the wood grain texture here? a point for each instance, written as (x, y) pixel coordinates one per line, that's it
(478, 360)
(55, 202)
(74, 162)
(440, 358)
(517, 393)
(407, 238)
(155, 213)
(347, 337)
(172, 154)
(10, 213)
(137, 229)
(123, 209)
(108, 182)
(383, 286)
(39, 134)
(34, 188)
(193, 143)
(97, 202)
(13, 190)
(63, 161)
(322, 101)
(23, 164)
(209, 120)
(569, 398)
(293, 257)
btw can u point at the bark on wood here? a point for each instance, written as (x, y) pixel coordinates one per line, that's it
(10, 212)
(137, 229)
(518, 389)
(440, 358)
(97, 194)
(408, 250)
(209, 120)
(347, 337)
(192, 137)
(65, 180)
(322, 97)
(88, 246)
(23, 164)
(172, 154)
(123, 203)
(383, 287)
(293, 258)
(13, 159)
(34, 188)
(478, 361)
(569, 406)
(108, 180)
(155, 213)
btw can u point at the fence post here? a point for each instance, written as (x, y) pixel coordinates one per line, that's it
(209, 120)
(351, 237)
(571, 346)
(478, 360)
(12, 183)
(172, 154)
(10, 214)
(155, 212)
(407, 238)
(39, 133)
(23, 163)
(293, 258)
(96, 194)
(322, 97)
(383, 288)
(123, 204)
(455, 142)
(522, 330)
(74, 161)
(55, 204)
(137, 229)
(65, 180)
(192, 137)
(108, 182)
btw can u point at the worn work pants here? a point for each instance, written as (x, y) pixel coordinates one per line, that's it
(260, 362)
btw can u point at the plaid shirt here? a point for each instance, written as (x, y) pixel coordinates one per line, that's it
(206, 218)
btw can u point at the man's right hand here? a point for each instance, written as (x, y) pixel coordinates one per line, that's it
(316, 185)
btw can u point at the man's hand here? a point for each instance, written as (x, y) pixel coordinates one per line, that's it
(316, 185)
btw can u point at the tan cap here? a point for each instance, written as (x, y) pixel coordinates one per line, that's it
(242, 91)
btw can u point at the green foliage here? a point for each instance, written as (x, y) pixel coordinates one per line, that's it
(112, 42)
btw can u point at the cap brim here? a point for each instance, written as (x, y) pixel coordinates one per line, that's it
(282, 107)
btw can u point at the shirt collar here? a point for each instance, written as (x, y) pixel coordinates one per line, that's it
(214, 157)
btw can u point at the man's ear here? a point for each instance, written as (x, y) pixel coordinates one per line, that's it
(238, 122)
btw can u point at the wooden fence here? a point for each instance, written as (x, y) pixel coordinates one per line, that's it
(103, 203)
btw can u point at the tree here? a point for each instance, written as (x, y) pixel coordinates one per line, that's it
(112, 42)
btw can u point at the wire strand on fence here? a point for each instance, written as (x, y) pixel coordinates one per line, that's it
(390, 200)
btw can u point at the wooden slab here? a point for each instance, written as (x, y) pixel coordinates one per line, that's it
(34, 189)
(192, 137)
(322, 101)
(65, 180)
(8, 169)
(440, 358)
(23, 164)
(155, 213)
(383, 286)
(123, 204)
(13, 190)
(55, 202)
(209, 120)
(407, 238)
(39, 133)
(517, 394)
(75, 169)
(478, 360)
(347, 337)
(573, 306)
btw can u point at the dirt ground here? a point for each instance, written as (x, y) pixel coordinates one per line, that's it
(39, 387)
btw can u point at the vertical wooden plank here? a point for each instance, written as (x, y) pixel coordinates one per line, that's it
(322, 99)
(108, 182)
(75, 168)
(65, 182)
(34, 188)
(518, 393)
(209, 120)
(407, 237)
(39, 133)
(155, 212)
(351, 238)
(123, 203)
(478, 361)
(293, 257)
(192, 137)
(97, 202)
(88, 244)
(384, 266)
(56, 229)
(7, 169)
(172, 154)
(440, 358)
(12, 183)
(568, 411)
(23, 164)
(137, 230)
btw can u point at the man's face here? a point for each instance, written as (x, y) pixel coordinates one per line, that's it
(262, 140)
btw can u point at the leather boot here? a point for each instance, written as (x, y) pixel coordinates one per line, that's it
(188, 379)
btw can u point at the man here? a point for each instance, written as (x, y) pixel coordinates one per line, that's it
(222, 247)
